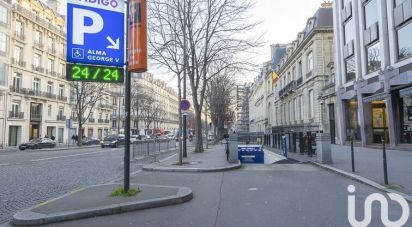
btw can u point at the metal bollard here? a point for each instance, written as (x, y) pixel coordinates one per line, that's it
(385, 168)
(352, 154)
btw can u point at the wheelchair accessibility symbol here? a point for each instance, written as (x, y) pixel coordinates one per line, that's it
(77, 53)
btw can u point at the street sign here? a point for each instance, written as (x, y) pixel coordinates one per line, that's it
(92, 73)
(95, 32)
(185, 105)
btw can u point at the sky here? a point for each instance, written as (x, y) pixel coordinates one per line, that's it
(280, 22)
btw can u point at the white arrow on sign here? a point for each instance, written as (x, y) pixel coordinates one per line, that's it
(114, 45)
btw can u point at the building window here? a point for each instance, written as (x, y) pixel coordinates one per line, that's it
(15, 108)
(49, 110)
(18, 53)
(2, 74)
(36, 86)
(404, 41)
(3, 14)
(36, 60)
(114, 125)
(301, 107)
(398, 2)
(294, 73)
(19, 29)
(49, 87)
(374, 57)
(350, 69)
(3, 44)
(310, 61)
(50, 65)
(349, 28)
(311, 107)
(61, 112)
(37, 37)
(371, 13)
(16, 82)
(62, 69)
(61, 90)
(345, 3)
(300, 69)
(295, 113)
(51, 43)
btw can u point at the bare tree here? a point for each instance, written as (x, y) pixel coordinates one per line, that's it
(206, 32)
(86, 96)
(165, 43)
(220, 99)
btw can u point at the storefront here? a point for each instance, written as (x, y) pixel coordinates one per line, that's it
(352, 120)
(405, 110)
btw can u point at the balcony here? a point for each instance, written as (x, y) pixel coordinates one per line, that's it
(100, 121)
(38, 44)
(51, 72)
(18, 62)
(35, 117)
(15, 89)
(52, 50)
(92, 120)
(299, 81)
(62, 98)
(61, 118)
(19, 35)
(16, 115)
(49, 95)
(107, 121)
(37, 68)
(39, 20)
(289, 88)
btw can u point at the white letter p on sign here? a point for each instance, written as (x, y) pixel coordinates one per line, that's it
(79, 27)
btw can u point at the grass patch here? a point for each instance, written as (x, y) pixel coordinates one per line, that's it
(121, 192)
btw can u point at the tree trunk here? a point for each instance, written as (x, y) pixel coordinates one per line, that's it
(198, 131)
(79, 134)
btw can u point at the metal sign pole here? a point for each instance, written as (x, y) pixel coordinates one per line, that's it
(126, 183)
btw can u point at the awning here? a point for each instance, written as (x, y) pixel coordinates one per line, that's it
(376, 97)
(348, 95)
(405, 92)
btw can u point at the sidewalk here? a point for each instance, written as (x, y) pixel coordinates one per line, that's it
(369, 164)
(211, 160)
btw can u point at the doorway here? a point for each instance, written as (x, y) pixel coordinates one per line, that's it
(14, 135)
(379, 122)
(34, 131)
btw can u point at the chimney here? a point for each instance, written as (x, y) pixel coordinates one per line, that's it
(54, 5)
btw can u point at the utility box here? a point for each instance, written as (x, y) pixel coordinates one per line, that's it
(323, 148)
(250, 153)
(233, 158)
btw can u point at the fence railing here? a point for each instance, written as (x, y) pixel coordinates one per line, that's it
(152, 148)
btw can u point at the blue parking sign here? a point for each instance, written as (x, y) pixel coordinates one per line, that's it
(95, 32)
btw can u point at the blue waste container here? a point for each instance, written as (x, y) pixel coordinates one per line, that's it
(250, 153)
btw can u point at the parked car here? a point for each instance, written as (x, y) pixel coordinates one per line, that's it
(135, 138)
(112, 141)
(38, 144)
(171, 136)
(90, 141)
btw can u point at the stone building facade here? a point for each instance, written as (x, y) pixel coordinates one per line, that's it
(298, 91)
(373, 70)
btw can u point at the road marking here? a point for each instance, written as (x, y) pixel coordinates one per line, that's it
(67, 156)
(252, 189)
(167, 158)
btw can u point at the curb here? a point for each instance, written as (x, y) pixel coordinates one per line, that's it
(192, 170)
(362, 180)
(30, 218)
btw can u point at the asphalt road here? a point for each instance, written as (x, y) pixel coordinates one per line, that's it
(256, 195)
(31, 177)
